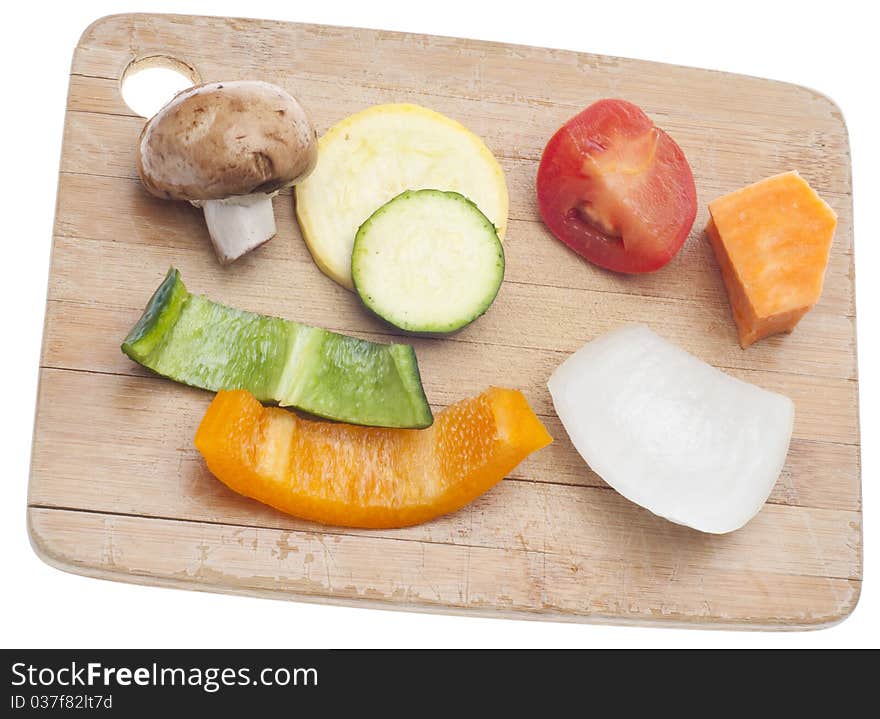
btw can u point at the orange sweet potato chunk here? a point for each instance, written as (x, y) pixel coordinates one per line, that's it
(771, 240)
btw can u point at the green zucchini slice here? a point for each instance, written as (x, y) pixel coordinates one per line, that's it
(428, 261)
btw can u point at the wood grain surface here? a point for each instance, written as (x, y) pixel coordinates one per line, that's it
(118, 491)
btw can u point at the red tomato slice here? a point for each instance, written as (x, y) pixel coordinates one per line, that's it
(617, 189)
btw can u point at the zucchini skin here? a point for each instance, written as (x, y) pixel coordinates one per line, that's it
(191, 340)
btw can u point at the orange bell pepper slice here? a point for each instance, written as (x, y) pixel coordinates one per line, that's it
(367, 477)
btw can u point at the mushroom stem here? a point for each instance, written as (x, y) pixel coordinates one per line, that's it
(239, 224)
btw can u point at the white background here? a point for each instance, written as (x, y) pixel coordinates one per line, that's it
(829, 46)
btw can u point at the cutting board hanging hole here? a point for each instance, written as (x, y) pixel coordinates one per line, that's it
(149, 82)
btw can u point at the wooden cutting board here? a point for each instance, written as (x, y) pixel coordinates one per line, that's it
(118, 491)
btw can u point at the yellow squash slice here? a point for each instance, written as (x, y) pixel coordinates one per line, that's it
(372, 156)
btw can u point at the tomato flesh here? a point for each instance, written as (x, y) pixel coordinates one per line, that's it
(617, 189)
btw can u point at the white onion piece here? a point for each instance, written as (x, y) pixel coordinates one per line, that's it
(670, 432)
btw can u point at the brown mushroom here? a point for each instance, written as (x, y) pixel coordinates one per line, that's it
(228, 147)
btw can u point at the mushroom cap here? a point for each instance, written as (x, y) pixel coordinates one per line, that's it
(222, 139)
